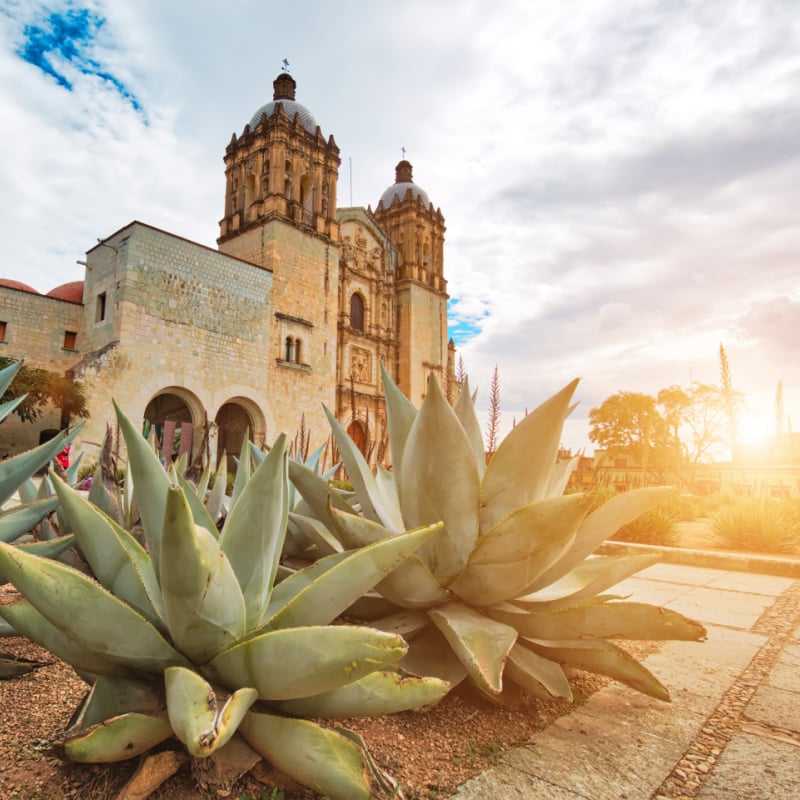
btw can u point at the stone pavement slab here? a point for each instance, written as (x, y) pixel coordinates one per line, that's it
(731, 730)
(754, 768)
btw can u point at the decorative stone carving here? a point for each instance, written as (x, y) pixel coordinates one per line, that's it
(360, 364)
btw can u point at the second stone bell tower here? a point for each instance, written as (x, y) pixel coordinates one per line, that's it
(416, 230)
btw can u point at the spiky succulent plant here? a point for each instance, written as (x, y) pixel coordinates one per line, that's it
(189, 636)
(509, 594)
(16, 519)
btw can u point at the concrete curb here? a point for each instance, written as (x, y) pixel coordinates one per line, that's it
(781, 566)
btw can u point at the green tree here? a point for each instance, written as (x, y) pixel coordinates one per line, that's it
(630, 423)
(44, 388)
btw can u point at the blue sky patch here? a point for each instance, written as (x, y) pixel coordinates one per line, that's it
(64, 37)
(460, 328)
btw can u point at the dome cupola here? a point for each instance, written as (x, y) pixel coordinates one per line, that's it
(284, 92)
(403, 183)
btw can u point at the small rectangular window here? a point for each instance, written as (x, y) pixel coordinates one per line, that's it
(100, 308)
(70, 340)
(3, 326)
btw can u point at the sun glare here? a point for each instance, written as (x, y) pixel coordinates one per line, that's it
(753, 427)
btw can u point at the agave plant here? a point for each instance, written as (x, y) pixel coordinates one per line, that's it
(19, 518)
(509, 595)
(190, 637)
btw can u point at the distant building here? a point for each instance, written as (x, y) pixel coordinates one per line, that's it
(298, 307)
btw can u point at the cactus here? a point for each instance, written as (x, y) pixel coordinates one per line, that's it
(189, 635)
(510, 588)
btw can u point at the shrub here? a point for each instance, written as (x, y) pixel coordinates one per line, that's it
(757, 525)
(656, 527)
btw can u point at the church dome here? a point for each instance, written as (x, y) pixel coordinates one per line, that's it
(7, 283)
(403, 182)
(283, 92)
(72, 292)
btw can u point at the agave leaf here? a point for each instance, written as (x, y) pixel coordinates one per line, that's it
(6, 628)
(315, 490)
(465, 411)
(604, 658)
(16, 521)
(216, 499)
(300, 662)
(321, 601)
(124, 569)
(15, 471)
(540, 676)
(373, 695)
(73, 469)
(314, 535)
(118, 738)
(602, 523)
(438, 481)
(375, 505)
(195, 716)
(403, 623)
(28, 621)
(202, 484)
(429, 653)
(7, 375)
(100, 496)
(354, 531)
(411, 585)
(481, 643)
(89, 613)
(559, 477)
(323, 760)
(400, 414)
(8, 407)
(28, 492)
(593, 576)
(50, 548)
(244, 469)
(111, 696)
(603, 621)
(196, 505)
(255, 530)
(520, 469)
(517, 549)
(14, 666)
(203, 604)
(150, 481)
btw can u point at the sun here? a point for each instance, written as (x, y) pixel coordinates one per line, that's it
(753, 427)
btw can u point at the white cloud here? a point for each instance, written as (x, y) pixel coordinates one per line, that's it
(619, 179)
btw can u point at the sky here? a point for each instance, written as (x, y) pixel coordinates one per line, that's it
(620, 179)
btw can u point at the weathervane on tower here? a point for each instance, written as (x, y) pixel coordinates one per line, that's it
(403, 151)
(285, 67)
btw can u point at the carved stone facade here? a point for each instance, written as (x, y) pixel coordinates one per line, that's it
(299, 307)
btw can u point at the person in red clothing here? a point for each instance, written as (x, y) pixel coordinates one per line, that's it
(63, 457)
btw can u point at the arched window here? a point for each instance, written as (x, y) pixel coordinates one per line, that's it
(357, 312)
(297, 351)
(289, 356)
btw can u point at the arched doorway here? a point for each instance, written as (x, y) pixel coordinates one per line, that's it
(356, 432)
(233, 422)
(168, 416)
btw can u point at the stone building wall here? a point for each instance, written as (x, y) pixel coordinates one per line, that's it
(36, 328)
(181, 318)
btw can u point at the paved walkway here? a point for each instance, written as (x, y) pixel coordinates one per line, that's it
(732, 730)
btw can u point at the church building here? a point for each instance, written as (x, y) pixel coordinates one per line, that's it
(298, 307)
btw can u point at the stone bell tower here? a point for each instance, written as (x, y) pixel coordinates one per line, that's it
(280, 213)
(416, 230)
